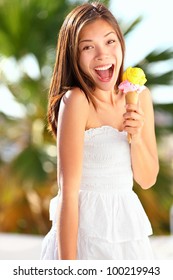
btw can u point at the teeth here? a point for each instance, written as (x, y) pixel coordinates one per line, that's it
(104, 67)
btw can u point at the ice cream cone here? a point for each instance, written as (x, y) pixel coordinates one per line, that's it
(131, 98)
(132, 84)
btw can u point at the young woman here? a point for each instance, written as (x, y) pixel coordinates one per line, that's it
(96, 214)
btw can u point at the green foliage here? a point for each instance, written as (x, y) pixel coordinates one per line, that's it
(30, 26)
(157, 56)
(132, 26)
(28, 165)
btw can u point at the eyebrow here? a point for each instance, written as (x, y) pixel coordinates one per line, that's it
(89, 40)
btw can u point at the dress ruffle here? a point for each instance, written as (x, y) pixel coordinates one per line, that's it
(113, 217)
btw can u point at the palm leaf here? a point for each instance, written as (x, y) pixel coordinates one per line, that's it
(157, 56)
(160, 79)
(29, 165)
(131, 27)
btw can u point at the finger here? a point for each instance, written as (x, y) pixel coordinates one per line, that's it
(134, 107)
(132, 123)
(133, 115)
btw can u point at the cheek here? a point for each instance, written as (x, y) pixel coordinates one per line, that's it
(119, 56)
(119, 52)
(83, 61)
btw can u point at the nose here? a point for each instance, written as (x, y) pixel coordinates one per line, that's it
(101, 53)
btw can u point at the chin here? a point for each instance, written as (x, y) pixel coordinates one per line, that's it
(107, 87)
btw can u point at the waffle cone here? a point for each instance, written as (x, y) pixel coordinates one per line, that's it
(131, 97)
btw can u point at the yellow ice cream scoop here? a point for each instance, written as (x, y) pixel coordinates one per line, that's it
(135, 75)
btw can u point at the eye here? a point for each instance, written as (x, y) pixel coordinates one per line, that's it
(87, 48)
(111, 41)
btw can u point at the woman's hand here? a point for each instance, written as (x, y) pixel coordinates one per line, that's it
(134, 121)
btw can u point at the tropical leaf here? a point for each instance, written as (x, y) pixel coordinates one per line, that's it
(22, 24)
(157, 56)
(132, 26)
(162, 79)
(28, 165)
(165, 108)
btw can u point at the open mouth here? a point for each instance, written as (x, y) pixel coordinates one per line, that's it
(105, 72)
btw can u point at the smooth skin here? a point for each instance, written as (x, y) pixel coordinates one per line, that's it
(99, 47)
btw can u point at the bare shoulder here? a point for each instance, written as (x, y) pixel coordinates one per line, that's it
(72, 119)
(74, 110)
(145, 97)
(75, 97)
(146, 103)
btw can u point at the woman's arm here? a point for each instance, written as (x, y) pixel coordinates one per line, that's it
(70, 137)
(139, 122)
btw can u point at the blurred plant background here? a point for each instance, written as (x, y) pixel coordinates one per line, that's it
(28, 36)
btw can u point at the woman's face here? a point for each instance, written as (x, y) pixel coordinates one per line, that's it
(100, 54)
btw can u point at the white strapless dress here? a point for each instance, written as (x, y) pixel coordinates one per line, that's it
(112, 221)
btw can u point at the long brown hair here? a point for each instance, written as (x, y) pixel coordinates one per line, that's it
(67, 73)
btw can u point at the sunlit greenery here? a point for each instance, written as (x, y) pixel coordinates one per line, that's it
(28, 35)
